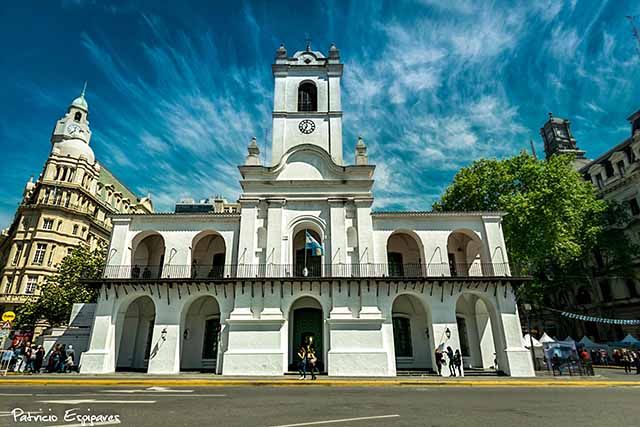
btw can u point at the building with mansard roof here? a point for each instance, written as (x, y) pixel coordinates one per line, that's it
(616, 176)
(306, 262)
(68, 205)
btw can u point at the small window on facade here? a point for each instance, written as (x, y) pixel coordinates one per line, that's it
(78, 116)
(32, 285)
(59, 225)
(16, 256)
(84, 231)
(47, 224)
(38, 257)
(8, 286)
(634, 207)
(605, 288)
(25, 222)
(631, 288)
(599, 181)
(75, 230)
(50, 261)
(307, 97)
(620, 166)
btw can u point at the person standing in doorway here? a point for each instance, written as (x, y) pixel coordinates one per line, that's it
(450, 356)
(312, 359)
(457, 361)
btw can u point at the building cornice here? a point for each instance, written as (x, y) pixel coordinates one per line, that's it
(393, 214)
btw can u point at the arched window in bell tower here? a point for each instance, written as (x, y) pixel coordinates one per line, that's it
(78, 116)
(307, 97)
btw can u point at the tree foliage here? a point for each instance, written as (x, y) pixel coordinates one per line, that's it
(554, 220)
(63, 289)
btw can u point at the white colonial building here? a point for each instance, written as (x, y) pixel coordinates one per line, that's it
(237, 293)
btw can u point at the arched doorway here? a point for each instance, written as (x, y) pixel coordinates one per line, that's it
(208, 256)
(147, 256)
(200, 335)
(464, 250)
(404, 255)
(477, 329)
(136, 334)
(411, 334)
(306, 320)
(307, 260)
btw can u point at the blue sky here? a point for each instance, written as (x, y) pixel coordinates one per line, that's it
(177, 89)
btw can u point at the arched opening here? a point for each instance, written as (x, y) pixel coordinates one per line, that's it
(208, 256)
(78, 116)
(411, 334)
(306, 327)
(464, 250)
(136, 335)
(307, 253)
(200, 335)
(148, 256)
(404, 255)
(307, 97)
(478, 333)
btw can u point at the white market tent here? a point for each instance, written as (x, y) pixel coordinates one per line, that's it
(526, 341)
(546, 338)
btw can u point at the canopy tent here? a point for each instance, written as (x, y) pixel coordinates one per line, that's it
(630, 339)
(587, 343)
(569, 339)
(526, 341)
(538, 351)
(546, 338)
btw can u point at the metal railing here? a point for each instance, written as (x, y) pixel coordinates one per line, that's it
(311, 270)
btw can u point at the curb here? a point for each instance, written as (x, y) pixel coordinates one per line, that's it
(319, 383)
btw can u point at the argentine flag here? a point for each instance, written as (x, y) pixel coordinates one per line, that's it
(311, 243)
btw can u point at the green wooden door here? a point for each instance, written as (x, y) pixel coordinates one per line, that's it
(307, 322)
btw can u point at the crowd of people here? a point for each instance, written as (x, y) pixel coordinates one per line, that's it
(453, 360)
(29, 358)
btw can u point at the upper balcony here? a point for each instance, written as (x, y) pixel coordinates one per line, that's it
(301, 271)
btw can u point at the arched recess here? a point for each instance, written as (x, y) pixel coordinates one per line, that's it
(412, 329)
(134, 330)
(306, 319)
(307, 262)
(465, 253)
(479, 330)
(404, 254)
(147, 255)
(200, 328)
(208, 255)
(307, 96)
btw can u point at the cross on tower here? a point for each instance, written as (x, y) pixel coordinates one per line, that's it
(308, 40)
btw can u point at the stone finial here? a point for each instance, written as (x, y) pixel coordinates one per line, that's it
(281, 53)
(334, 52)
(361, 153)
(253, 157)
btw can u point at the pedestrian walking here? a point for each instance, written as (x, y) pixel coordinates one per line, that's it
(439, 360)
(302, 364)
(452, 368)
(39, 359)
(626, 362)
(312, 359)
(457, 361)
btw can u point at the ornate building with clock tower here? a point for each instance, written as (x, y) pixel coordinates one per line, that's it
(306, 262)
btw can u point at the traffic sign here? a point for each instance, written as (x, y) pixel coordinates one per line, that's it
(8, 316)
(6, 325)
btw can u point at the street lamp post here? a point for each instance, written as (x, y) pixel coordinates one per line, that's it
(527, 309)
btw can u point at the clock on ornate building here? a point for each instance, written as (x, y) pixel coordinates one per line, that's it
(307, 126)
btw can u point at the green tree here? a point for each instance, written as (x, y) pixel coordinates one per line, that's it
(63, 289)
(554, 220)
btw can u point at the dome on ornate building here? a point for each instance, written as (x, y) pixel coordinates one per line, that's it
(75, 148)
(80, 102)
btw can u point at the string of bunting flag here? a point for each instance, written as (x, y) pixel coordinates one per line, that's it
(594, 319)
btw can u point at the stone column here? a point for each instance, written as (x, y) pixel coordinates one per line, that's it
(443, 317)
(247, 236)
(365, 230)
(338, 256)
(274, 234)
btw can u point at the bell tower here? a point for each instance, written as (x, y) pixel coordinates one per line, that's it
(75, 123)
(306, 106)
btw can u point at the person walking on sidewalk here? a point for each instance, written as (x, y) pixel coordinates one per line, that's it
(312, 359)
(450, 356)
(39, 359)
(439, 360)
(457, 361)
(302, 364)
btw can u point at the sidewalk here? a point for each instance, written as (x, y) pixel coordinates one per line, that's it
(209, 380)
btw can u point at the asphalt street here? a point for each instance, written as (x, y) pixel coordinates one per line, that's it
(301, 406)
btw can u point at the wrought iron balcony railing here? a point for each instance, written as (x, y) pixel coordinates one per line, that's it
(363, 270)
